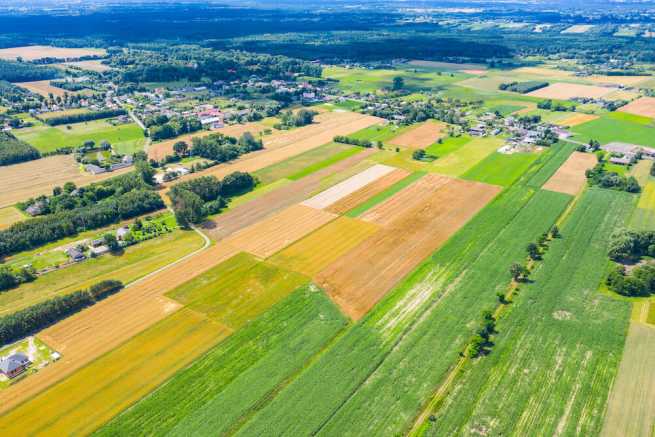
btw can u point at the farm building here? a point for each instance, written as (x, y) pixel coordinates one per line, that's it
(122, 232)
(75, 254)
(14, 365)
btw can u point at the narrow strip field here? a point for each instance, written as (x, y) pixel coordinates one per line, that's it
(566, 91)
(383, 195)
(501, 169)
(570, 178)
(467, 156)
(643, 218)
(558, 349)
(367, 192)
(9, 216)
(551, 160)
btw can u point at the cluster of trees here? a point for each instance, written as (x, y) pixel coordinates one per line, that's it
(600, 177)
(631, 245)
(25, 72)
(13, 150)
(640, 281)
(36, 317)
(198, 198)
(450, 111)
(557, 107)
(18, 99)
(352, 141)
(163, 127)
(481, 343)
(222, 148)
(301, 118)
(522, 87)
(85, 116)
(32, 233)
(10, 278)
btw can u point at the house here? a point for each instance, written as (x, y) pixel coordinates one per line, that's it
(98, 242)
(14, 365)
(620, 160)
(99, 250)
(35, 209)
(122, 232)
(212, 122)
(75, 254)
(94, 169)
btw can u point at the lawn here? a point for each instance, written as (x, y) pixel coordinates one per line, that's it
(126, 138)
(37, 351)
(240, 375)
(617, 126)
(362, 80)
(467, 156)
(135, 262)
(557, 351)
(500, 168)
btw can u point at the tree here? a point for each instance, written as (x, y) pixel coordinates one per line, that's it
(398, 83)
(533, 251)
(69, 187)
(418, 154)
(181, 148)
(554, 232)
(111, 242)
(518, 272)
(56, 191)
(146, 172)
(188, 206)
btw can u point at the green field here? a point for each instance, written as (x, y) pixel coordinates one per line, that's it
(617, 126)
(447, 146)
(467, 156)
(558, 348)
(379, 133)
(643, 217)
(500, 168)
(362, 80)
(551, 160)
(238, 376)
(126, 138)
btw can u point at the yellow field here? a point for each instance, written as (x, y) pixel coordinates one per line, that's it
(576, 119)
(95, 65)
(99, 391)
(324, 246)
(647, 198)
(641, 171)
(31, 53)
(9, 216)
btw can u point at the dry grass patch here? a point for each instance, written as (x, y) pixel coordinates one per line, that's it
(418, 220)
(628, 81)
(324, 246)
(566, 91)
(644, 106)
(570, 177)
(544, 72)
(43, 88)
(579, 28)
(576, 119)
(363, 194)
(32, 53)
(9, 216)
(421, 135)
(95, 65)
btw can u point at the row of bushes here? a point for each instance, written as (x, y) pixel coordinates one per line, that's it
(522, 87)
(85, 116)
(32, 319)
(13, 150)
(352, 141)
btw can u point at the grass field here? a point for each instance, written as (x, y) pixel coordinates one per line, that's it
(240, 375)
(447, 146)
(550, 161)
(501, 169)
(135, 262)
(617, 126)
(126, 138)
(643, 217)
(237, 290)
(355, 79)
(467, 156)
(550, 371)
(120, 378)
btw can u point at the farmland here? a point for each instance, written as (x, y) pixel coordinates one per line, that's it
(467, 156)
(501, 169)
(9, 216)
(643, 217)
(35, 52)
(570, 177)
(566, 91)
(420, 136)
(43, 88)
(644, 106)
(616, 126)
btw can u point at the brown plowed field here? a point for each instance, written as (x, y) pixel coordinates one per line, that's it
(44, 88)
(21, 181)
(94, 331)
(276, 232)
(644, 106)
(295, 192)
(421, 136)
(570, 177)
(358, 280)
(363, 194)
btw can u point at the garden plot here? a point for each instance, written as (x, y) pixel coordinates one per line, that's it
(420, 136)
(566, 91)
(644, 106)
(570, 178)
(415, 222)
(367, 192)
(347, 187)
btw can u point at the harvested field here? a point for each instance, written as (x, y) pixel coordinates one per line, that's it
(365, 193)
(565, 91)
(251, 212)
(43, 88)
(96, 66)
(159, 150)
(631, 405)
(644, 106)
(32, 53)
(274, 233)
(544, 72)
(120, 378)
(21, 181)
(579, 28)
(415, 222)
(421, 135)
(622, 95)
(576, 119)
(324, 246)
(347, 187)
(570, 178)
(97, 330)
(627, 81)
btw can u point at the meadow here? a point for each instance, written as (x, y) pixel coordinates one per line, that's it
(354, 79)
(617, 126)
(467, 156)
(548, 345)
(9, 216)
(125, 138)
(500, 168)
(643, 217)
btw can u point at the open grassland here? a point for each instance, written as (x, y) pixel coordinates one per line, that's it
(617, 126)
(32, 53)
(570, 177)
(643, 217)
(446, 66)
(237, 290)
(43, 88)
(415, 222)
(500, 168)
(21, 181)
(566, 91)
(550, 370)
(134, 263)
(420, 136)
(125, 138)
(383, 195)
(97, 330)
(239, 376)
(387, 361)
(367, 192)
(631, 406)
(324, 246)
(99, 391)
(363, 80)
(467, 156)
(9, 216)
(644, 106)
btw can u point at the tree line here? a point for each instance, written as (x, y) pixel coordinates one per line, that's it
(352, 141)
(85, 116)
(36, 317)
(13, 150)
